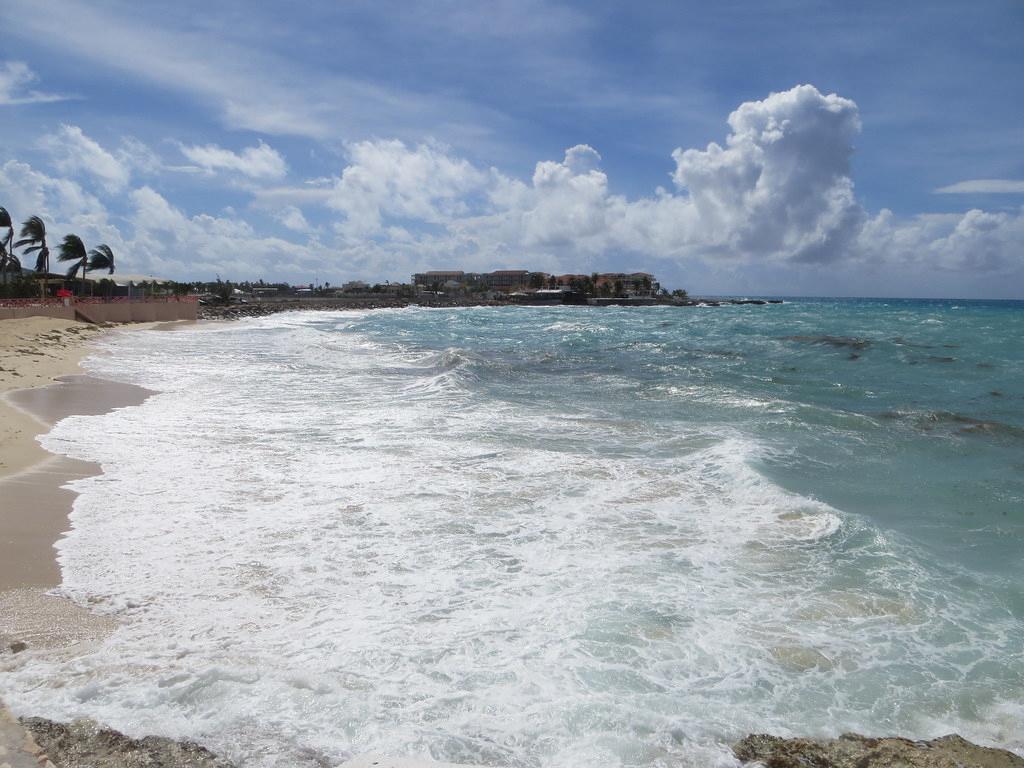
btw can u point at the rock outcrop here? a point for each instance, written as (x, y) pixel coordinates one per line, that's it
(852, 750)
(85, 743)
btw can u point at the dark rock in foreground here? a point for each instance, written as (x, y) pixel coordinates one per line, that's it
(85, 743)
(854, 751)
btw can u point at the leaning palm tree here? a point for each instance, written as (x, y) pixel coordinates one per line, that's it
(73, 249)
(33, 235)
(8, 261)
(101, 257)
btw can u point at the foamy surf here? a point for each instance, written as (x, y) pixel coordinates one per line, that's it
(326, 537)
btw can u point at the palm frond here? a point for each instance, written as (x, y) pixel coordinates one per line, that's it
(33, 230)
(42, 259)
(71, 272)
(72, 249)
(5, 218)
(101, 257)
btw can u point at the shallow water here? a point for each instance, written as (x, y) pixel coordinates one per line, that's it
(554, 537)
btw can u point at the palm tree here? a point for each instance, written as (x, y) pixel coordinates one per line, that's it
(8, 261)
(101, 257)
(73, 249)
(33, 234)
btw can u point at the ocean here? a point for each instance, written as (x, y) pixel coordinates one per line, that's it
(564, 536)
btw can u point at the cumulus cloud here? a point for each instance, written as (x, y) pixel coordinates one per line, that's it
(780, 189)
(390, 179)
(73, 152)
(62, 204)
(984, 186)
(259, 162)
(293, 219)
(174, 243)
(15, 79)
(775, 197)
(781, 186)
(976, 242)
(153, 236)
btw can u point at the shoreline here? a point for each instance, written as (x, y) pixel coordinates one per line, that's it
(34, 353)
(41, 382)
(26, 539)
(52, 625)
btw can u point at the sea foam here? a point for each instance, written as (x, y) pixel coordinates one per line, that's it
(323, 541)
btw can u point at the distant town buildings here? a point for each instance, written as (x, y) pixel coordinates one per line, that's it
(511, 281)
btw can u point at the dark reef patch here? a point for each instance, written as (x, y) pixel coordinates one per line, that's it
(840, 342)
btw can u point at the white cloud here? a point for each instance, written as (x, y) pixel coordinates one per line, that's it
(167, 241)
(984, 186)
(293, 219)
(781, 186)
(62, 204)
(388, 179)
(28, 192)
(972, 243)
(137, 156)
(242, 80)
(259, 162)
(15, 79)
(774, 198)
(159, 238)
(73, 152)
(777, 192)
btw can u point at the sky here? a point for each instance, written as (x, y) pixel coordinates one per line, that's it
(789, 148)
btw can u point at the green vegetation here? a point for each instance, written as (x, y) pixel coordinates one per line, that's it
(73, 250)
(14, 283)
(8, 261)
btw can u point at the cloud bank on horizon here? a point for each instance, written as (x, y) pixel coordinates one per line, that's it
(779, 192)
(293, 185)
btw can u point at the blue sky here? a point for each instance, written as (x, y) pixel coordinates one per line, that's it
(868, 149)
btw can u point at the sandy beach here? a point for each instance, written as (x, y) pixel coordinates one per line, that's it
(34, 351)
(41, 383)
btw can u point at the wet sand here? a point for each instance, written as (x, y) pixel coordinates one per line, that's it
(39, 385)
(39, 358)
(36, 502)
(34, 351)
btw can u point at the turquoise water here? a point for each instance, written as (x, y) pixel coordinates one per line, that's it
(909, 412)
(554, 536)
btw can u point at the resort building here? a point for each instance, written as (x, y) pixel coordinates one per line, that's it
(627, 283)
(506, 280)
(439, 277)
(623, 285)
